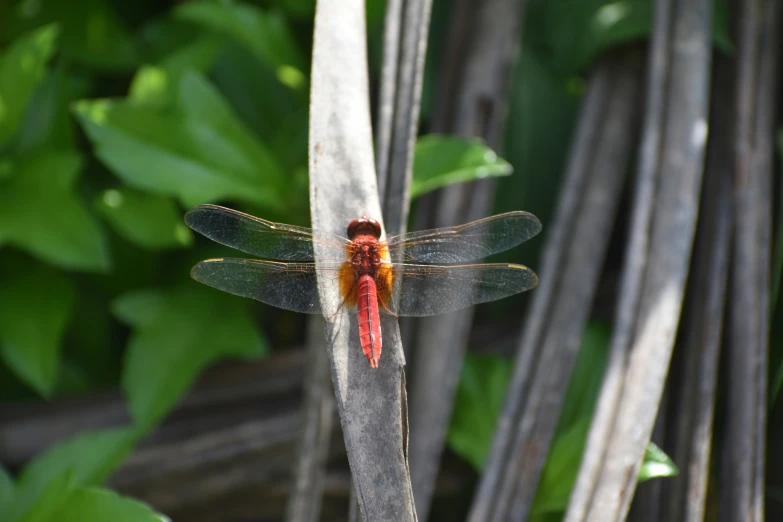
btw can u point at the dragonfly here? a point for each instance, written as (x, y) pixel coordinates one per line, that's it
(414, 274)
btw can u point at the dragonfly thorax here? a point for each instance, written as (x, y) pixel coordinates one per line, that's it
(366, 258)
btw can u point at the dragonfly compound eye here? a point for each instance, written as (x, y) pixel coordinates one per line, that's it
(364, 225)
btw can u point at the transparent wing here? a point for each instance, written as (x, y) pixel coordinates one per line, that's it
(430, 290)
(285, 285)
(260, 237)
(464, 243)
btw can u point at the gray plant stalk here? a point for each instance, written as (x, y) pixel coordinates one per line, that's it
(371, 402)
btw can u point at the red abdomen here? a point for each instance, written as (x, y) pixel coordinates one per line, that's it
(369, 319)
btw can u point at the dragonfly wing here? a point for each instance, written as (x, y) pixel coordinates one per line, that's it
(465, 243)
(259, 237)
(291, 286)
(430, 290)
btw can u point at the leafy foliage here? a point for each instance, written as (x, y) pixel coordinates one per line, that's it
(656, 464)
(41, 214)
(34, 308)
(148, 220)
(62, 501)
(99, 505)
(84, 461)
(6, 490)
(21, 68)
(440, 161)
(561, 469)
(265, 34)
(776, 310)
(565, 456)
(478, 403)
(92, 32)
(190, 328)
(43, 506)
(197, 152)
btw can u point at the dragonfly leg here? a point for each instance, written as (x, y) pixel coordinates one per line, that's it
(388, 311)
(339, 309)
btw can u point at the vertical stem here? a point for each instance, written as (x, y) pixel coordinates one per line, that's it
(342, 187)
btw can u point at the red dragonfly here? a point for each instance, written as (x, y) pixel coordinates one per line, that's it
(400, 275)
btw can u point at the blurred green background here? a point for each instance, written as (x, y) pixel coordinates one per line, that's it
(116, 117)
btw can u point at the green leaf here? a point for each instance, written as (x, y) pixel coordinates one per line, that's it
(163, 35)
(41, 214)
(159, 83)
(12, 388)
(6, 490)
(87, 460)
(22, 66)
(91, 456)
(241, 77)
(47, 500)
(35, 304)
(265, 34)
(777, 255)
(611, 24)
(91, 358)
(278, 117)
(565, 457)
(777, 383)
(479, 400)
(776, 310)
(48, 122)
(305, 9)
(443, 160)
(192, 328)
(148, 220)
(151, 85)
(101, 505)
(376, 9)
(656, 464)
(6, 171)
(92, 32)
(201, 100)
(198, 152)
(587, 376)
(774, 493)
(562, 467)
(720, 27)
(141, 307)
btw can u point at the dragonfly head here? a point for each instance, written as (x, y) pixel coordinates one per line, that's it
(364, 225)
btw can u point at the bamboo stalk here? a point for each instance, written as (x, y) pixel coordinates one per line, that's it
(671, 240)
(614, 92)
(404, 118)
(634, 264)
(744, 454)
(343, 187)
(304, 501)
(552, 264)
(696, 357)
(478, 108)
